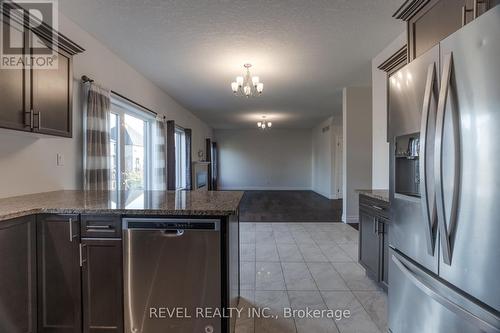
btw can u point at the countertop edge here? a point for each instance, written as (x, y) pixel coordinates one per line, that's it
(148, 212)
(381, 194)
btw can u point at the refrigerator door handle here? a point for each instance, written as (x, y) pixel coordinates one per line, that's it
(472, 312)
(446, 229)
(428, 199)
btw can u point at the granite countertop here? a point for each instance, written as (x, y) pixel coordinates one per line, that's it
(214, 203)
(376, 194)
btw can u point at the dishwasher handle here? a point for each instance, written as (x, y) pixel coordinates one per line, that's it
(172, 225)
(173, 233)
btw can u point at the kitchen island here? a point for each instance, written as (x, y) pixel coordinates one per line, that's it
(64, 266)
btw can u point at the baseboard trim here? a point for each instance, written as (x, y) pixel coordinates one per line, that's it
(350, 219)
(326, 195)
(263, 188)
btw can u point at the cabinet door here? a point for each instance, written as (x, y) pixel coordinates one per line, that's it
(18, 275)
(59, 281)
(13, 87)
(102, 285)
(369, 252)
(51, 96)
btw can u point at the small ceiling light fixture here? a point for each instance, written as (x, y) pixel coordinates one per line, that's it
(263, 124)
(247, 85)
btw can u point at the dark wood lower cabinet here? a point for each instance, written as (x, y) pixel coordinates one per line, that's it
(59, 280)
(18, 275)
(374, 227)
(102, 285)
(369, 254)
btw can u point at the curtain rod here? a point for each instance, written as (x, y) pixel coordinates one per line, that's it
(86, 79)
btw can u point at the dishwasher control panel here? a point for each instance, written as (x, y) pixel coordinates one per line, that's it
(165, 224)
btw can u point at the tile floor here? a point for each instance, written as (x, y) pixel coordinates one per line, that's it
(306, 265)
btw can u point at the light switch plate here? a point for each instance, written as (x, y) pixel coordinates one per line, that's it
(60, 160)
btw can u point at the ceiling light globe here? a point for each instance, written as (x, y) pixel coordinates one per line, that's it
(234, 87)
(269, 124)
(260, 87)
(263, 126)
(255, 80)
(259, 124)
(239, 80)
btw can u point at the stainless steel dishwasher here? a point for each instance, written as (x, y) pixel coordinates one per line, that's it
(171, 268)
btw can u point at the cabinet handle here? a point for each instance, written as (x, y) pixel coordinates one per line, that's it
(30, 112)
(375, 226)
(99, 227)
(70, 229)
(377, 207)
(82, 261)
(39, 122)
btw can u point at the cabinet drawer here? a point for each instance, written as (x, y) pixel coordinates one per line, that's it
(94, 226)
(374, 207)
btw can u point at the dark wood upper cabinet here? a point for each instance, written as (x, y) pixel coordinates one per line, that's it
(18, 275)
(430, 21)
(37, 99)
(59, 280)
(102, 285)
(51, 98)
(13, 89)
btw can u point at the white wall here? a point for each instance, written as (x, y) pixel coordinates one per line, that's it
(357, 162)
(276, 159)
(380, 160)
(28, 163)
(324, 155)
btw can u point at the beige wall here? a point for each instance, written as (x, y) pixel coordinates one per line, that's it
(276, 159)
(28, 163)
(380, 160)
(357, 162)
(324, 155)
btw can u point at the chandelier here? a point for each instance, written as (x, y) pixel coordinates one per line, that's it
(247, 85)
(263, 124)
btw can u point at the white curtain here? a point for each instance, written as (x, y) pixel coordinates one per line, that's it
(97, 175)
(160, 156)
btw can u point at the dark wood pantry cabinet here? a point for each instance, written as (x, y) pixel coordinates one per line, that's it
(37, 99)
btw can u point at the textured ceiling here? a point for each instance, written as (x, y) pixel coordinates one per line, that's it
(305, 52)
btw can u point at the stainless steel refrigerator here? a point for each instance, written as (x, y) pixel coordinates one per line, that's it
(444, 121)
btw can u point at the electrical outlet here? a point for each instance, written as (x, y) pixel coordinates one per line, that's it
(60, 160)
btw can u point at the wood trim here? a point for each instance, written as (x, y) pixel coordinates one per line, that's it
(395, 61)
(44, 31)
(408, 9)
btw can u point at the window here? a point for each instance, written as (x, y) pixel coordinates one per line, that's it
(180, 158)
(130, 142)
